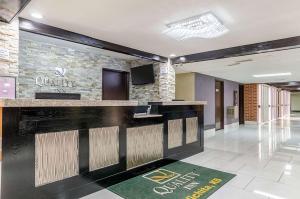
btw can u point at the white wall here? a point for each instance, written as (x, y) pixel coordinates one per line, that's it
(295, 102)
(273, 103)
(284, 104)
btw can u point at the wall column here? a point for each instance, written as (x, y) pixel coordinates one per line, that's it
(167, 82)
(9, 40)
(9, 47)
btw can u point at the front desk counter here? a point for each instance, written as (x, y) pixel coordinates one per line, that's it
(66, 149)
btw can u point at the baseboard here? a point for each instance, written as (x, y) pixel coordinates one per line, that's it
(251, 123)
(209, 133)
(284, 117)
(209, 126)
(231, 127)
(256, 123)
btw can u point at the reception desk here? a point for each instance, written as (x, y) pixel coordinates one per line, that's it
(51, 148)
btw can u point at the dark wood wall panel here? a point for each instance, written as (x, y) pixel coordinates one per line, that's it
(256, 48)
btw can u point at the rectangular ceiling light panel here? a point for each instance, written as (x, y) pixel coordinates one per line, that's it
(273, 75)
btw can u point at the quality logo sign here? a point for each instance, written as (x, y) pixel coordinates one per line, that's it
(161, 176)
(177, 180)
(168, 181)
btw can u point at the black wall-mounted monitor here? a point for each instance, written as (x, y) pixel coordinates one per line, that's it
(142, 75)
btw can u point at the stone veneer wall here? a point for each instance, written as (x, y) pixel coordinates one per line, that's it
(40, 55)
(9, 39)
(162, 90)
(148, 92)
(167, 83)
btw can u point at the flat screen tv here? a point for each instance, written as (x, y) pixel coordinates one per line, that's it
(142, 75)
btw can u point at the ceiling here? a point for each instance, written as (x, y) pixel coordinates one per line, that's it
(242, 69)
(139, 24)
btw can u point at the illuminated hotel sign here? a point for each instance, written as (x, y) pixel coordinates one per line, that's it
(7, 88)
(60, 82)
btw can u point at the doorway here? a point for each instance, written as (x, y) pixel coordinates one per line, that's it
(219, 99)
(115, 85)
(241, 104)
(265, 107)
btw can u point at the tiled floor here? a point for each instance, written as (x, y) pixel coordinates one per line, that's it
(265, 158)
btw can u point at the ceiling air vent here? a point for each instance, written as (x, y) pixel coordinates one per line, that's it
(234, 64)
(239, 62)
(245, 60)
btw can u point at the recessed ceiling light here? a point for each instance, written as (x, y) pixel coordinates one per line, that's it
(172, 55)
(204, 26)
(273, 75)
(156, 57)
(36, 15)
(26, 24)
(182, 59)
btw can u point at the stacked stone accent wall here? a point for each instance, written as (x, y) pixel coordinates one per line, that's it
(162, 90)
(9, 39)
(167, 83)
(148, 92)
(40, 56)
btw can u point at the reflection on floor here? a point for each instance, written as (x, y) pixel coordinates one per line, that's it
(265, 158)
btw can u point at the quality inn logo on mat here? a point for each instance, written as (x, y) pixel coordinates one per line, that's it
(178, 180)
(161, 176)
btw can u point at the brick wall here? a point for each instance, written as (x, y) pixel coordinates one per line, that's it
(251, 102)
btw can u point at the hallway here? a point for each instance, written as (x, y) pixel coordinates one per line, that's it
(265, 158)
